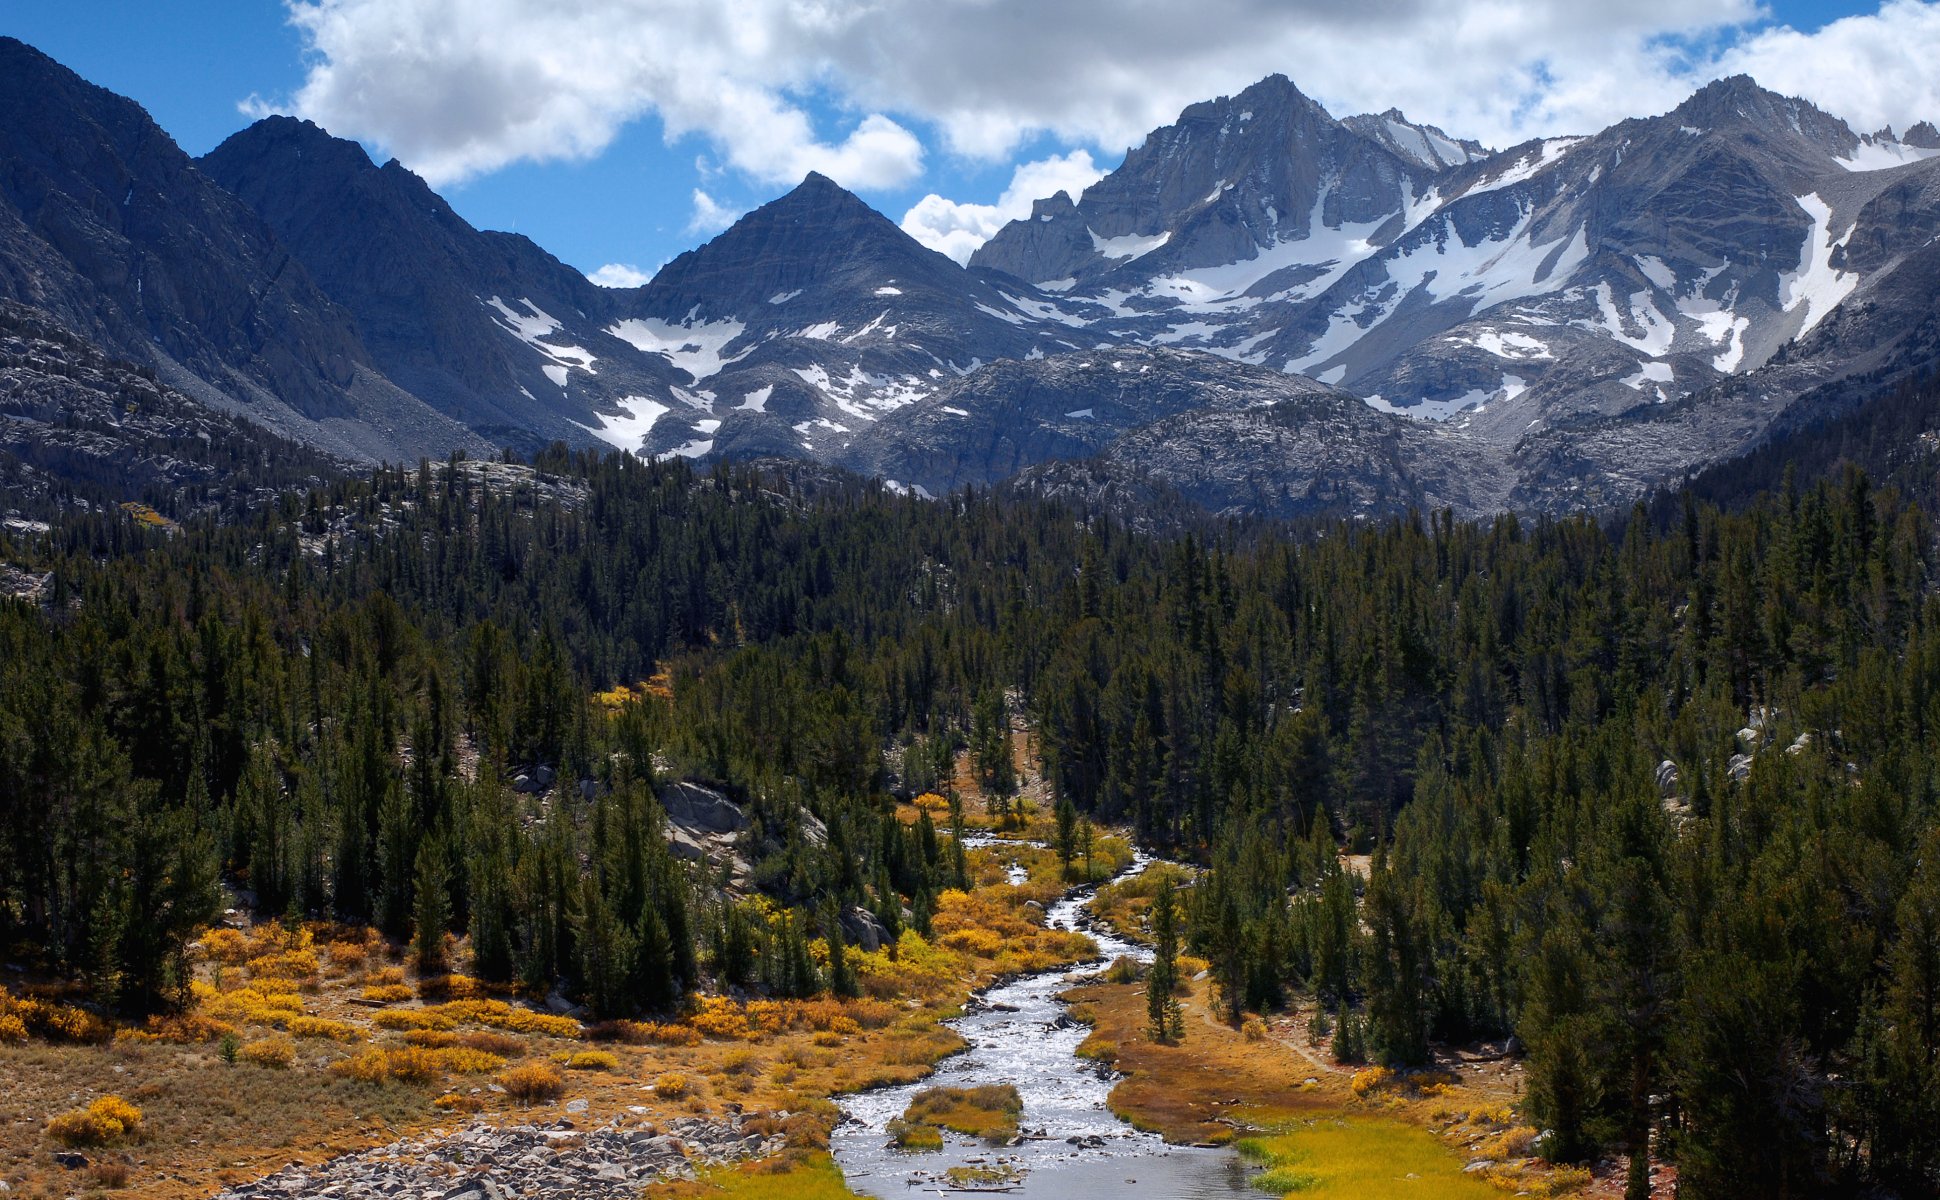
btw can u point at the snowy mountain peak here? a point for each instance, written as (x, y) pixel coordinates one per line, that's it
(1424, 144)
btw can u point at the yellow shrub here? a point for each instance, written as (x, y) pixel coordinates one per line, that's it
(592, 1060)
(12, 1028)
(1253, 1029)
(387, 975)
(284, 964)
(184, 1028)
(415, 1064)
(106, 1120)
(226, 946)
(453, 987)
(270, 1052)
(412, 1018)
(250, 1006)
(532, 1081)
(671, 1086)
(1373, 1079)
(464, 1060)
(387, 993)
(318, 1027)
(347, 956)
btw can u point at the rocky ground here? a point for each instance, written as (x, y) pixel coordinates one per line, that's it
(555, 1159)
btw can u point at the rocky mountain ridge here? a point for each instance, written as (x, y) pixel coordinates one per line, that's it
(1257, 308)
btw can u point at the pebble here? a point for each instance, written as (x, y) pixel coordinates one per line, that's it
(548, 1161)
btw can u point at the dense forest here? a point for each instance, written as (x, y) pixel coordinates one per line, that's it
(1657, 797)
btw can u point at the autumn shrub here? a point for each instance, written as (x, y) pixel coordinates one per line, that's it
(490, 1043)
(277, 1052)
(319, 1027)
(671, 1086)
(106, 1120)
(387, 993)
(283, 964)
(50, 1019)
(1367, 1082)
(528, 1083)
(412, 1018)
(180, 1028)
(226, 946)
(592, 1060)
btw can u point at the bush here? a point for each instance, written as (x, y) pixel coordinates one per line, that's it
(1373, 1079)
(530, 1082)
(914, 1135)
(387, 993)
(1253, 1029)
(592, 1060)
(1123, 969)
(318, 1027)
(277, 1052)
(671, 1086)
(107, 1120)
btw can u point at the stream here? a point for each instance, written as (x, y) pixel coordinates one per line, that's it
(1074, 1148)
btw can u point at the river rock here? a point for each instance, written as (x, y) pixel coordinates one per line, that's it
(503, 1162)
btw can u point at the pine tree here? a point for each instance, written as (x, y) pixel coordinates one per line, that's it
(1165, 1020)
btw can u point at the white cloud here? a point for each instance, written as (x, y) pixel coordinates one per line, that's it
(619, 275)
(710, 215)
(1872, 70)
(958, 229)
(459, 87)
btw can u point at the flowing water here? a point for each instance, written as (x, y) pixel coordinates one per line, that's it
(1074, 1148)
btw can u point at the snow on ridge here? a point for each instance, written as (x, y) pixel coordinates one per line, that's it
(628, 430)
(534, 325)
(1527, 166)
(1130, 246)
(1884, 156)
(697, 348)
(1816, 285)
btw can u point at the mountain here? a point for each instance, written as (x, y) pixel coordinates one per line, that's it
(485, 327)
(1599, 314)
(810, 318)
(1263, 308)
(108, 226)
(82, 430)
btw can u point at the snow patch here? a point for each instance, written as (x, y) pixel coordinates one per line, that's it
(1129, 246)
(757, 400)
(1884, 156)
(698, 348)
(1817, 286)
(628, 429)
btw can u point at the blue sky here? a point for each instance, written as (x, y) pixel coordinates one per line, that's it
(635, 128)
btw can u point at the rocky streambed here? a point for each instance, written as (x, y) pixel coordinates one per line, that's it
(1072, 1146)
(554, 1160)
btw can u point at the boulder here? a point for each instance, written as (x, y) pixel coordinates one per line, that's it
(863, 930)
(1667, 778)
(701, 809)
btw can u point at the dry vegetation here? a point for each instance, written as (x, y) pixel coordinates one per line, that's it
(304, 1043)
(1320, 1128)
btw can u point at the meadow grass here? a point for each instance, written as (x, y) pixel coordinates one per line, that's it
(1361, 1158)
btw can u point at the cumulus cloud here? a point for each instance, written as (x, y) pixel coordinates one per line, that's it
(710, 215)
(458, 88)
(1872, 70)
(958, 229)
(619, 275)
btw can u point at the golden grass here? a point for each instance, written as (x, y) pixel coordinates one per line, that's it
(990, 1112)
(791, 1176)
(1360, 1158)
